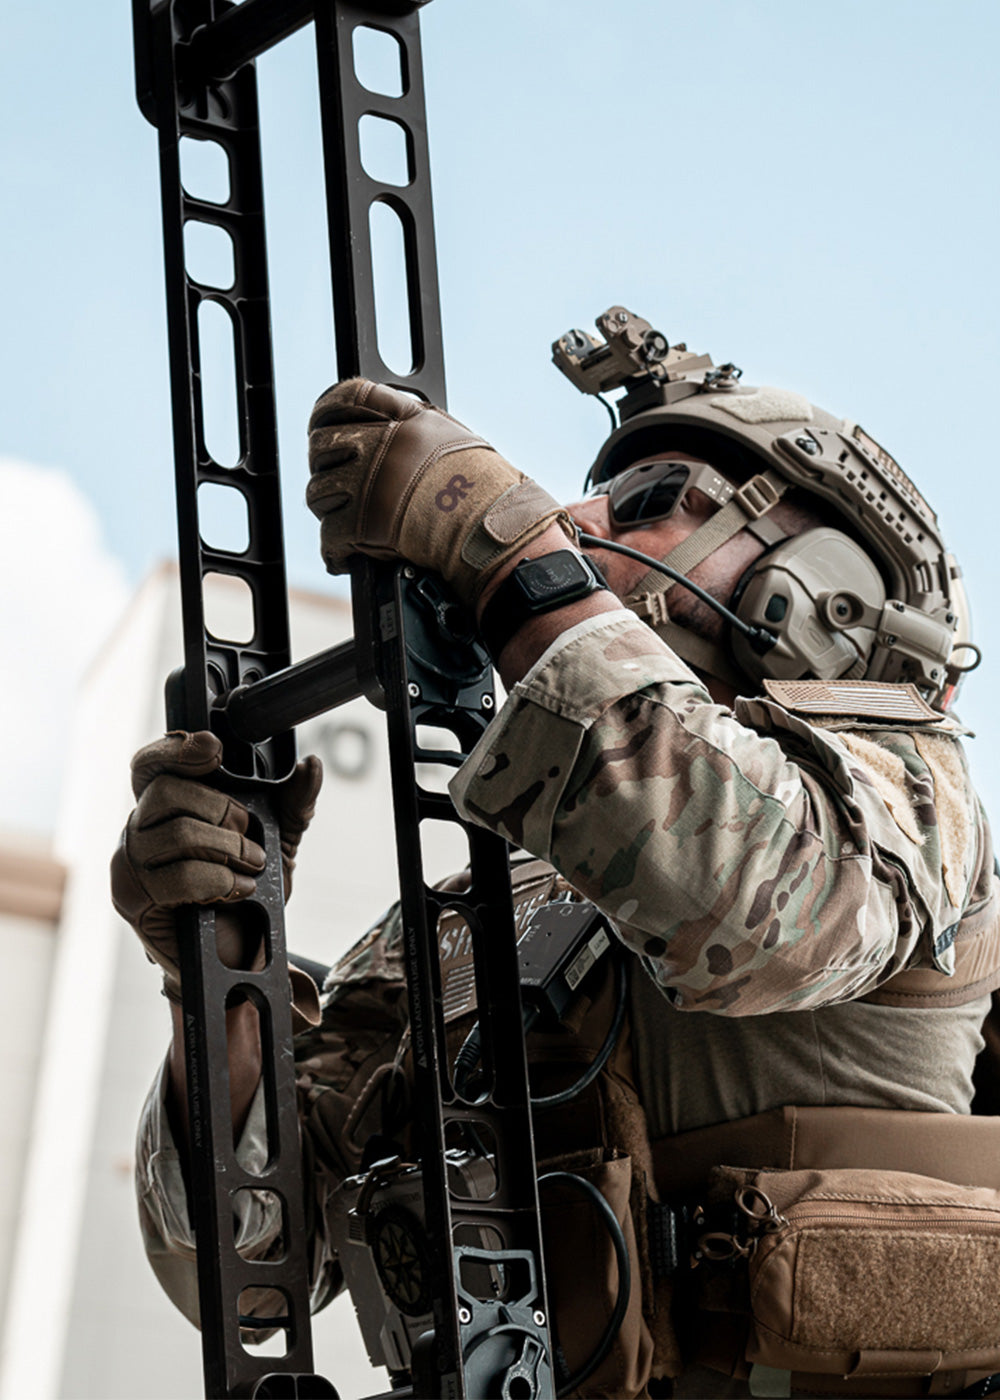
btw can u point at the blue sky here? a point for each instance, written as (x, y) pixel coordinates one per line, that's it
(809, 189)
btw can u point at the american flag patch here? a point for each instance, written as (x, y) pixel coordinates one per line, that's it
(858, 699)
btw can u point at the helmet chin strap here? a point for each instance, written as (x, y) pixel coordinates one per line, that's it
(745, 510)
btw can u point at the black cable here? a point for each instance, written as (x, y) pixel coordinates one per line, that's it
(624, 1277)
(466, 1061)
(471, 1050)
(977, 657)
(468, 1056)
(612, 412)
(261, 1324)
(603, 1055)
(759, 637)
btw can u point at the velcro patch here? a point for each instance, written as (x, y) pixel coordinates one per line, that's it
(857, 699)
(766, 405)
(517, 510)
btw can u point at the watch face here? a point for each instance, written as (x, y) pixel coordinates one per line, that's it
(536, 586)
(553, 575)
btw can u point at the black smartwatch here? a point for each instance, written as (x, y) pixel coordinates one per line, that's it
(537, 586)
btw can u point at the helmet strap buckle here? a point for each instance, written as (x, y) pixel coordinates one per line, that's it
(757, 496)
(744, 510)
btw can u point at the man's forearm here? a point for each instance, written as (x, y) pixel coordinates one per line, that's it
(243, 1036)
(536, 636)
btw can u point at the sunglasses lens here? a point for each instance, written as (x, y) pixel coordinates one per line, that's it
(647, 493)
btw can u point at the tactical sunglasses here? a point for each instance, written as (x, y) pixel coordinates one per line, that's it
(652, 491)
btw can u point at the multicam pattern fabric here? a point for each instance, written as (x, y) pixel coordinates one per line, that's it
(754, 861)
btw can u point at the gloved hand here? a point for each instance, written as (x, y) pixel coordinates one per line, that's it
(186, 843)
(395, 478)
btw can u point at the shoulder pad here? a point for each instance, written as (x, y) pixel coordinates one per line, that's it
(870, 700)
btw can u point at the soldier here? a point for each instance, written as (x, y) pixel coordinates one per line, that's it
(803, 880)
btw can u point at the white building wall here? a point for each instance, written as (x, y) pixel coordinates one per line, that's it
(28, 949)
(87, 1320)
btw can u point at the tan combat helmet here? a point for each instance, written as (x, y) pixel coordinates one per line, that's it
(881, 599)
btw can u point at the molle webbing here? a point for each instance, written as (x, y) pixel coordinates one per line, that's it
(964, 1149)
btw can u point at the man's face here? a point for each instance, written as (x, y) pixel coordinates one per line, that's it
(658, 539)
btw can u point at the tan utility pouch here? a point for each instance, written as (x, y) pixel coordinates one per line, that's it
(862, 1273)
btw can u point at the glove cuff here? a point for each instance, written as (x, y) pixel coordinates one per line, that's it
(520, 514)
(303, 995)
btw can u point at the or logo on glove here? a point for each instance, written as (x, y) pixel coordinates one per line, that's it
(450, 496)
(397, 479)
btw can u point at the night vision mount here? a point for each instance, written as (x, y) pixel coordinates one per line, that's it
(635, 355)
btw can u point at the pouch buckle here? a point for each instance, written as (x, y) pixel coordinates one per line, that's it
(722, 1247)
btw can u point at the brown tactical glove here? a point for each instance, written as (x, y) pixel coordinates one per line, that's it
(395, 478)
(186, 843)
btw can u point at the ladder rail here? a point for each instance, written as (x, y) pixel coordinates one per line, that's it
(195, 80)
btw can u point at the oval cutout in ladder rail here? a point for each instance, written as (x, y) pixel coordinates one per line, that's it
(393, 331)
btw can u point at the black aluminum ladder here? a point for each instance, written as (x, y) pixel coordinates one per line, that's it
(196, 82)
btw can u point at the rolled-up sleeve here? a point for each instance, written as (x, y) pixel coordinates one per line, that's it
(340, 1056)
(163, 1206)
(754, 867)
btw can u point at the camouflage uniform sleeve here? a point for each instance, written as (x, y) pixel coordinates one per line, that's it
(755, 862)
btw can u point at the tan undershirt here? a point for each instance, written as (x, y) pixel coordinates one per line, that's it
(696, 1068)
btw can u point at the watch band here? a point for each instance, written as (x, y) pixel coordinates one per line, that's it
(534, 587)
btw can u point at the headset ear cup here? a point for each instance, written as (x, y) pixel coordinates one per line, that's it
(786, 591)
